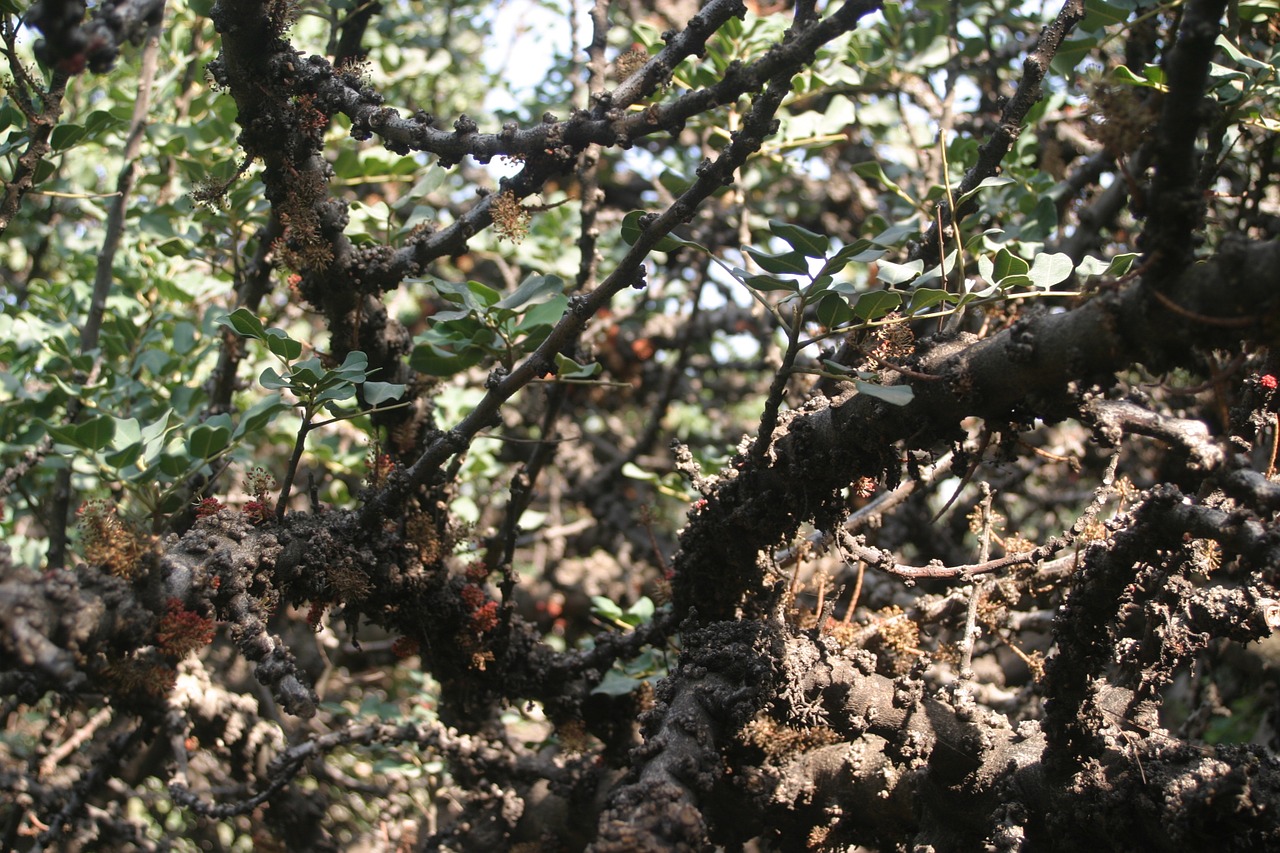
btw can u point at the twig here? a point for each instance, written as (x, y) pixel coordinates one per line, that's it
(1219, 322)
(71, 744)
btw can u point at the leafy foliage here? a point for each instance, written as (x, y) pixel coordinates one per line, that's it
(772, 383)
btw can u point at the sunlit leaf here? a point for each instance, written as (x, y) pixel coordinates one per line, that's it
(808, 243)
(376, 393)
(891, 273)
(877, 303)
(243, 322)
(897, 395)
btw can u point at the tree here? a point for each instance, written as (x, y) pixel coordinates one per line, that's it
(817, 424)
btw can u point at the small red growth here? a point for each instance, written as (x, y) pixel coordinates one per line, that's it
(485, 618)
(315, 613)
(208, 507)
(381, 467)
(403, 647)
(473, 596)
(257, 511)
(183, 631)
(1268, 381)
(477, 572)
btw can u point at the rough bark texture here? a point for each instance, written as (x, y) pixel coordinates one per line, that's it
(780, 718)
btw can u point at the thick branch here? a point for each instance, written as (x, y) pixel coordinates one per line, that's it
(1033, 369)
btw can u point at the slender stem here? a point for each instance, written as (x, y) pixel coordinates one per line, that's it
(975, 594)
(769, 419)
(296, 458)
(64, 493)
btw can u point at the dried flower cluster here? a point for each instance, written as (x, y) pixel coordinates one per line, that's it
(510, 218)
(1120, 116)
(629, 62)
(107, 540)
(258, 483)
(182, 631)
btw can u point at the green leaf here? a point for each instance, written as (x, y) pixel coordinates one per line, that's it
(124, 457)
(1007, 264)
(1089, 266)
(766, 283)
(95, 433)
(1100, 14)
(567, 368)
(261, 414)
(936, 53)
(925, 298)
(896, 233)
(455, 292)
(62, 433)
(65, 135)
(128, 432)
(615, 683)
(1071, 53)
(155, 436)
(436, 361)
(380, 392)
(877, 303)
(335, 393)
(635, 472)
(784, 262)
(243, 322)
(834, 310)
(126, 444)
(891, 273)
(640, 612)
(1121, 264)
(533, 287)
(172, 249)
(1257, 11)
(605, 608)
(872, 169)
(808, 243)
(282, 345)
(174, 465)
(1050, 269)
(205, 441)
(484, 294)
(1012, 281)
(897, 395)
(1239, 56)
(982, 185)
(354, 368)
(98, 121)
(220, 420)
(544, 313)
(1153, 77)
(271, 379)
(859, 251)
(309, 373)
(936, 272)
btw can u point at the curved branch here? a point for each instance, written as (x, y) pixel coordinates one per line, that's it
(1031, 369)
